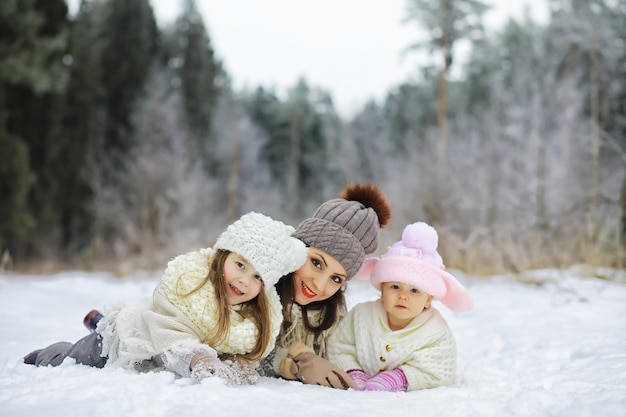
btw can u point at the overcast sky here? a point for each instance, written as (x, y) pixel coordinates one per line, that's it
(352, 48)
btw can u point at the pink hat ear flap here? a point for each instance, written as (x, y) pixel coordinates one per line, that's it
(366, 269)
(457, 298)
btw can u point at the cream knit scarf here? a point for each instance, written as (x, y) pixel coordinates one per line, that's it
(184, 274)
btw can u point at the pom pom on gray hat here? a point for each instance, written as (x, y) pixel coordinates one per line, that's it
(347, 227)
(266, 243)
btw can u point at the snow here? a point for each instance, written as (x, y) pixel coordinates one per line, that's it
(553, 347)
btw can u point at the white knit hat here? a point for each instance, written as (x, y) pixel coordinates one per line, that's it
(266, 243)
(415, 261)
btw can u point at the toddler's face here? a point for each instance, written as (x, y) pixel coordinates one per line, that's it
(403, 303)
(243, 282)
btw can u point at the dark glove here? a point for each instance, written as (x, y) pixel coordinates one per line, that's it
(304, 365)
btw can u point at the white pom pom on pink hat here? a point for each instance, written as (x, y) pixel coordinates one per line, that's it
(415, 261)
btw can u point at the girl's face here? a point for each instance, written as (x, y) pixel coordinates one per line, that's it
(403, 303)
(319, 278)
(243, 282)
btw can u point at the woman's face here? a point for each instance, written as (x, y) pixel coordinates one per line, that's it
(319, 278)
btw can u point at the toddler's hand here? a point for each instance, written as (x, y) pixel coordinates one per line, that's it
(359, 377)
(393, 380)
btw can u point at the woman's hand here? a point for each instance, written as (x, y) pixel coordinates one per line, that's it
(303, 364)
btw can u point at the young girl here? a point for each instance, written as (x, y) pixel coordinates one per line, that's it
(339, 235)
(400, 342)
(214, 313)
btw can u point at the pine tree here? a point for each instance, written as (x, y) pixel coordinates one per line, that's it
(265, 109)
(297, 148)
(447, 22)
(199, 74)
(367, 129)
(411, 112)
(129, 35)
(33, 78)
(16, 222)
(81, 130)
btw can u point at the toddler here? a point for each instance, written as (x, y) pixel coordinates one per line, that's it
(400, 342)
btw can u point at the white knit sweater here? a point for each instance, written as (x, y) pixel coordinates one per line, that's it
(168, 329)
(425, 350)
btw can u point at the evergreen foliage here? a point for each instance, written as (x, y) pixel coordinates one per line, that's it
(297, 144)
(81, 130)
(447, 22)
(121, 140)
(33, 78)
(16, 223)
(129, 39)
(199, 74)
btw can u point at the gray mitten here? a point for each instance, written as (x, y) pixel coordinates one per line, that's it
(203, 366)
(246, 374)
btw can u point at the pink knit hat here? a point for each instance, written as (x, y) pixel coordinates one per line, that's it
(415, 261)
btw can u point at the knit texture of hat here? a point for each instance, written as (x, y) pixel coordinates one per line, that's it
(415, 261)
(347, 228)
(266, 243)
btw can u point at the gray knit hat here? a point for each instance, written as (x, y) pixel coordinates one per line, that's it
(347, 228)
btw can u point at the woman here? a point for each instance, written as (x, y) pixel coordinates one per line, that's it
(339, 235)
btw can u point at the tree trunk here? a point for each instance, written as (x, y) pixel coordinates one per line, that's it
(442, 111)
(293, 171)
(442, 122)
(569, 117)
(623, 208)
(542, 168)
(595, 137)
(233, 181)
(442, 99)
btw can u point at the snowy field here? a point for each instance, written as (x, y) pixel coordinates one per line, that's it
(557, 348)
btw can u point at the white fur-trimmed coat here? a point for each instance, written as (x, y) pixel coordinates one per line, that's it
(167, 330)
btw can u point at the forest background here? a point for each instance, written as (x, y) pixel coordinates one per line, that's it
(123, 143)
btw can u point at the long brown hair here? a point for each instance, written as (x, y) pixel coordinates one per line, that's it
(257, 310)
(329, 309)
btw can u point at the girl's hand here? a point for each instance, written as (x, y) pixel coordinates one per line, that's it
(204, 366)
(246, 373)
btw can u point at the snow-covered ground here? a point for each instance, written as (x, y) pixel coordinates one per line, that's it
(557, 348)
